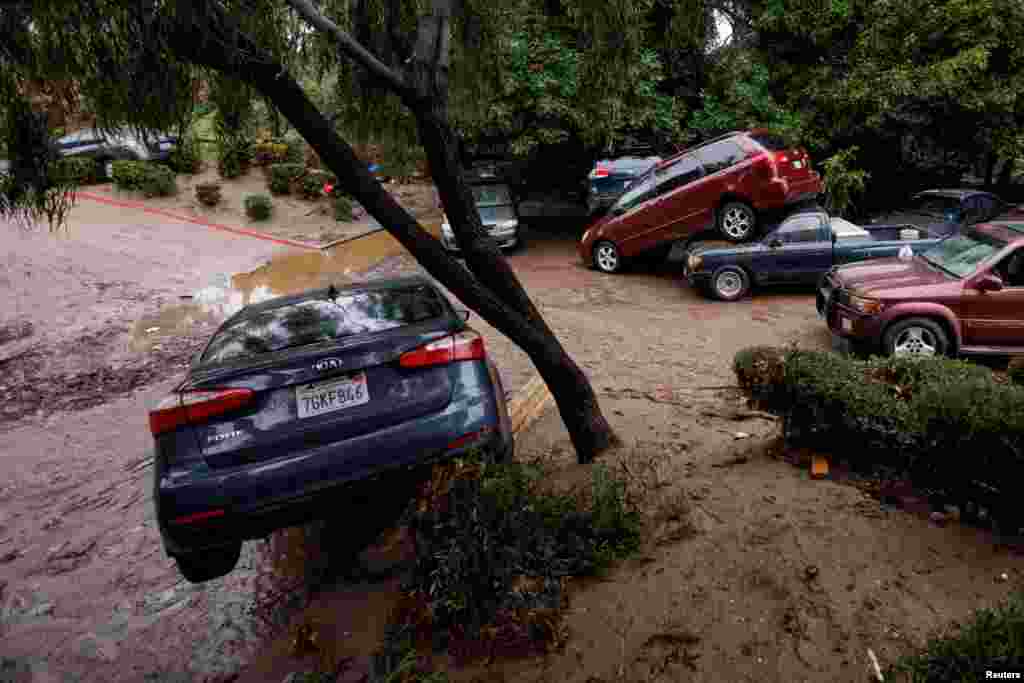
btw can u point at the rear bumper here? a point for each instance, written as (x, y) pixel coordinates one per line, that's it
(297, 487)
(781, 192)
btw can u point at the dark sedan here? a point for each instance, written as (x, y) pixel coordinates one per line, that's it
(945, 211)
(296, 399)
(121, 145)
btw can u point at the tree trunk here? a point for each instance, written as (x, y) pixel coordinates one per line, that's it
(589, 430)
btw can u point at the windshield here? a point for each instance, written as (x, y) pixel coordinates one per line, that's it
(491, 195)
(937, 206)
(961, 254)
(636, 192)
(321, 320)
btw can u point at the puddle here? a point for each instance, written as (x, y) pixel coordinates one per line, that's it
(288, 273)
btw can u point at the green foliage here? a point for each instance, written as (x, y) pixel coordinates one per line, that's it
(992, 640)
(499, 523)
(258, 207)
(233, 156)
(843, 183)
(910, 416)
(77, 170)
(232, 124)
(208, 194)
(1015, 370)
(149, 178)
(311, 186)
(187, 155)
(342, 208)
(267, 153)
(282, 176)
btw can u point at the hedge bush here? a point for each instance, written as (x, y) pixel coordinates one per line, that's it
(149, 178)
(281, 177)
(342, 208)
(312, 184)
(945, 424)
(258, 207)
(208, 194)
(77, 170)
(1015, 370)
(234, 153)
(186, 157)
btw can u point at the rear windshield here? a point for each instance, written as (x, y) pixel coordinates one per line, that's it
(773, 143)
(322, 320)
(491, 195)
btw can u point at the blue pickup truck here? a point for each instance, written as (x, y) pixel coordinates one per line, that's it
(798, 251)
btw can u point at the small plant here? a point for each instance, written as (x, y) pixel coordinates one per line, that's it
(342, 208)
(1015, 370)
(186, 157)
(843, 182)
(312, 184)
(77, 170)
(233, 156)
(152, 180)
(282, 176)
(208, 194)
(258, 207)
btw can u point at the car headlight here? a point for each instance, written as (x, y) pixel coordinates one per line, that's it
(865, 305)
(447, 230)
(694, 262)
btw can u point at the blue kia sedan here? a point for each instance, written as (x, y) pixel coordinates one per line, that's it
(295, 400)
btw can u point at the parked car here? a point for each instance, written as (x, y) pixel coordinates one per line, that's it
(723, 183)
(295, 398)
(800, 250)
(123, 144)
(497, 211)
(945, 211)
(610, 177)
(965, 295)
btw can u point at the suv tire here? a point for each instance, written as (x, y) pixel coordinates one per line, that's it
(915, 337)
(737, 221)
(209, 564)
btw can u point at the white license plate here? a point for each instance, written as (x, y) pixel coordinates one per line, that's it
(798, 164)
(846, 325)
(336, 394)
(165, 146)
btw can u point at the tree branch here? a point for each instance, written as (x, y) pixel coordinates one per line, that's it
(350, 46)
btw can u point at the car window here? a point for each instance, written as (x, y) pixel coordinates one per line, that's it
(988, 206)
(320, 320)
(491, 195)
(936, 206)
(961, 254)
(679, 173)
(773, 143)
(720, 155)
(642, 189)
(1011, 269)
(805, 228)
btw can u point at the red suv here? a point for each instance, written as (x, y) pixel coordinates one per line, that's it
(724, 182)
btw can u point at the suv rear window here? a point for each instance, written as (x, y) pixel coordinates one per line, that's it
(720, 155)
(322, 320)
(772, 143)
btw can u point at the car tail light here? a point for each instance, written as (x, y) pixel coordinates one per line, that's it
(462, 346)
(601, 172)
(782, 157)
(195, 407)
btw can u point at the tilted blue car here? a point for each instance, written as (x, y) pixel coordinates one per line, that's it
(295, 399)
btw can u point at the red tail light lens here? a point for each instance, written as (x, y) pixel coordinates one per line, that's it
(462, 346)
(601, 172)
(195, 407)
(782, 157)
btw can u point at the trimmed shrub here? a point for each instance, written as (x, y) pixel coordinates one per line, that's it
(151, 179)
(945, 424)
(77, 170)
(342, 208)
(186, 157)
(258, 207)
(208, 194)
(312, 184)
(282, 176)
(233, 156)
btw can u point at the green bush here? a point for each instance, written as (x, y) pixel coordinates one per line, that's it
(233, 156)
(186, 156)
(208, 194)
(151, 179)
(312, 184)
(993, 640)
(296, 152)
(77, 170)
(258, 207)
(283, 175)
(1015, 370)
(915, 417)
(342, 208)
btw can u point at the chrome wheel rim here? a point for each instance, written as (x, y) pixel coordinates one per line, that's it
(729, 284)
(607, 258)
(915, 341)
(736, 223)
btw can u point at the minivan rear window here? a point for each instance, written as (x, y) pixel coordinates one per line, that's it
(313, 321)
(773, 143)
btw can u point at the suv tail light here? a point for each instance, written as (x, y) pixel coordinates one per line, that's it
(600, 172)
(195, 407)
(462, 346)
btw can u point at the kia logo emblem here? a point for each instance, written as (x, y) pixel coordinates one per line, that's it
(327, 364)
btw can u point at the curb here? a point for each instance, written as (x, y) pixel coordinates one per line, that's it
(197, 221)
(528, 404)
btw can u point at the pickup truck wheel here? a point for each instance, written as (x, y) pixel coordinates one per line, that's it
(915, 337)
(209, 564)
(737, 221)
(730, 283)
(607, 257)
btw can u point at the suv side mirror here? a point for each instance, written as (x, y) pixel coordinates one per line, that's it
(989, 283)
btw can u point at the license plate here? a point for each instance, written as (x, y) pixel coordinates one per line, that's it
(798, 164)
(846, 325)
(336, 394)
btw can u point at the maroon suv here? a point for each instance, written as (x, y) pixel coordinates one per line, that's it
(724, 182)
(964, 295)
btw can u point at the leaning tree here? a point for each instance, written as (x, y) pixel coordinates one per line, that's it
(136, 59)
